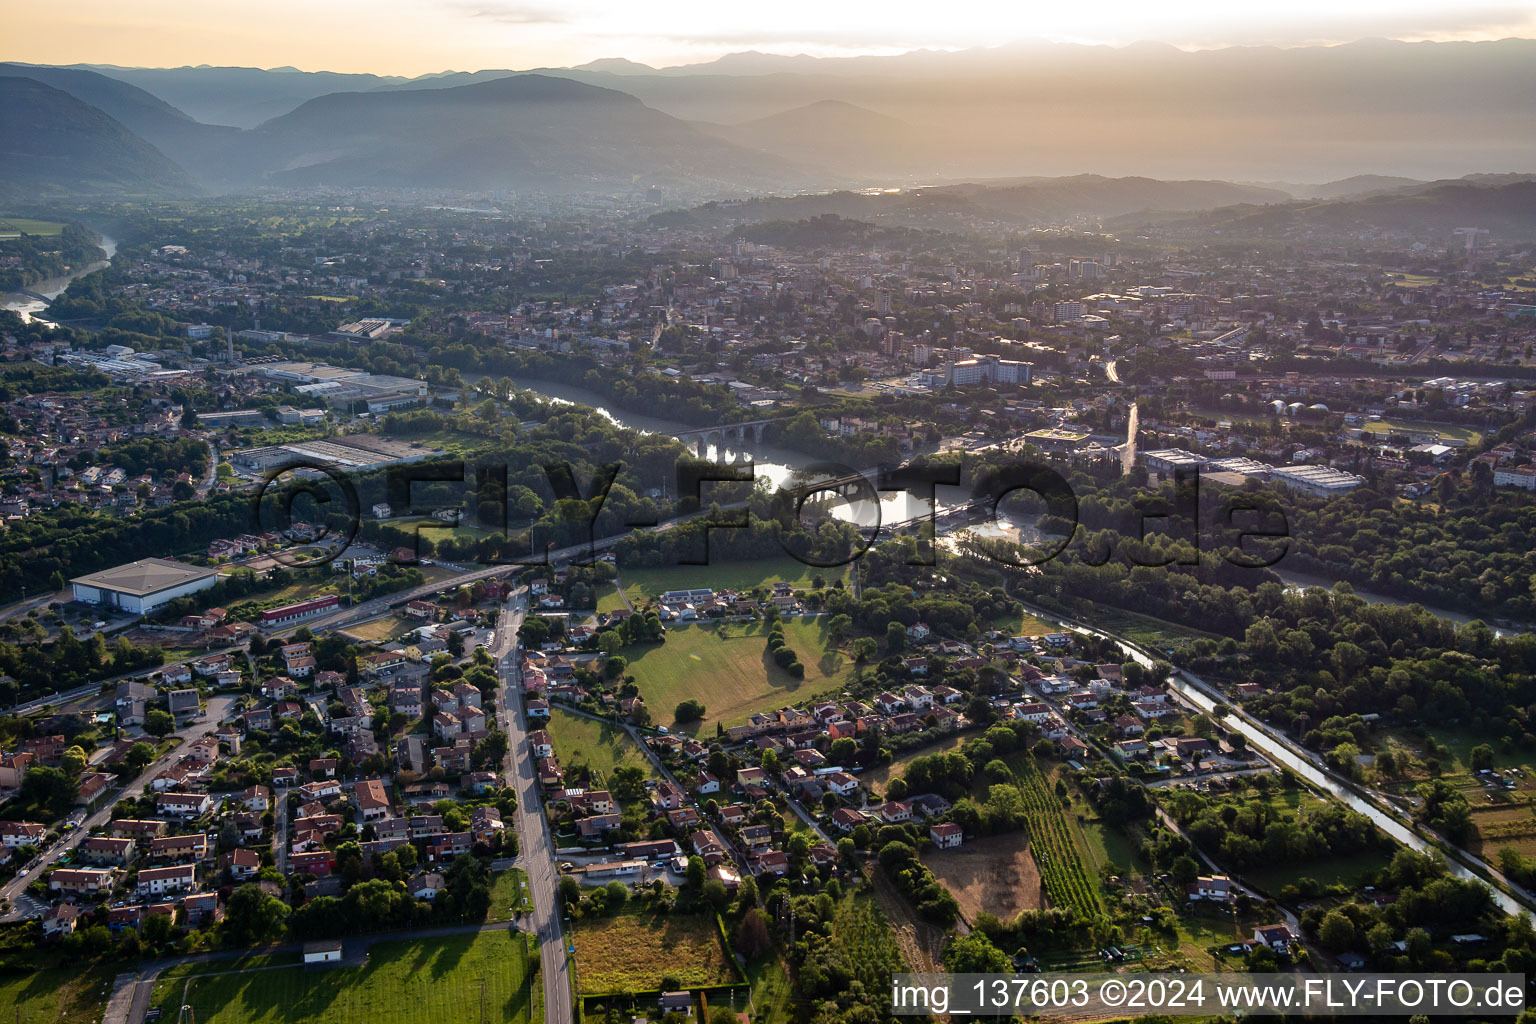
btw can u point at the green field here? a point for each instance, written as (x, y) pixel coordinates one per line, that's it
(641, 584)
(1328, 871)
(601, 745)
(27, 226)
(66, 996)
(728, 668)
(635, 951)
(1146, 630)
(609, 599)
(1445, 431)
(509, 895)
(486, 976)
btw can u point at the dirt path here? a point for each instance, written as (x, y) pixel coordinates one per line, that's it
(921, 943)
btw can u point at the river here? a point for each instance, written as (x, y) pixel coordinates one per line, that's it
(30, 306)
(774, 464)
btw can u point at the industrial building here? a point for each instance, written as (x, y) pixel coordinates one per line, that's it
(143, 586)
(355, 451)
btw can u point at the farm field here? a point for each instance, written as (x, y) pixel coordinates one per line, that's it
(727, 666)
(602, 745)
(424, 982)
(1054, 841)
(28, 226)
(996, 874)
(642, 584)
(634, 951)
(862, 931)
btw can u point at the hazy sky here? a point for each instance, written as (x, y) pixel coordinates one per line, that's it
(410, 37)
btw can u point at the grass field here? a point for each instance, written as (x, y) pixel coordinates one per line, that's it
(509, 895)
(635, 951)
(1146, 630)
(609, 599)
(27, 226)
(601, 745)
(876, 779)
(641, 584)
(728, 668)
(1446, 431)
(459, 978)
(996, 875)
(1273, 878)
(65, 996)
(385, 627)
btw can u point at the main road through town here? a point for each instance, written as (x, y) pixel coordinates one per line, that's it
(536, 847)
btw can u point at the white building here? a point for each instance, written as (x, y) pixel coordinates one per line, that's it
(142, 586)
(1318, 481)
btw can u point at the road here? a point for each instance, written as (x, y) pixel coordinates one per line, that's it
(368, 609)
(536, 847)
(218, 707)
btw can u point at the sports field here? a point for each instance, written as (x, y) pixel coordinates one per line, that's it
(477, 977)
(727, 666)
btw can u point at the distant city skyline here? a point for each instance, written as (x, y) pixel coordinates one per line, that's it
(414, 37)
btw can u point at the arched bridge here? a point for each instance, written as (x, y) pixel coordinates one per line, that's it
(730, 435)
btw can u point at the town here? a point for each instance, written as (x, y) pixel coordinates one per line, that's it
(400, 584)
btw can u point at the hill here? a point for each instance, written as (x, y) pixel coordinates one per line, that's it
(241, 97)
(1039, 202)
(1432, 213)
(524, 132)
(53, 145)
(192, 145)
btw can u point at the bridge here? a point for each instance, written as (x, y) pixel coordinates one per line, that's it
(723, 436)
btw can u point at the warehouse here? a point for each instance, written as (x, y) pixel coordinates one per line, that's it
(143, 586)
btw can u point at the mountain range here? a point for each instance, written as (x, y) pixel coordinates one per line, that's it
(1171, 130)
(53, 145)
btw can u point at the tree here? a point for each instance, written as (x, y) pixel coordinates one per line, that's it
(616, 893)
(570, 890)
(752, 939)
(252, 917)
(74, 759)
(50, 789)
(975, 954)
(1481, 756)
(895, 638)
(716, 895)
(863, 649)
(689, 710)
(1336, 931)
(1184, 869)
(159, 723)
(695, 872)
